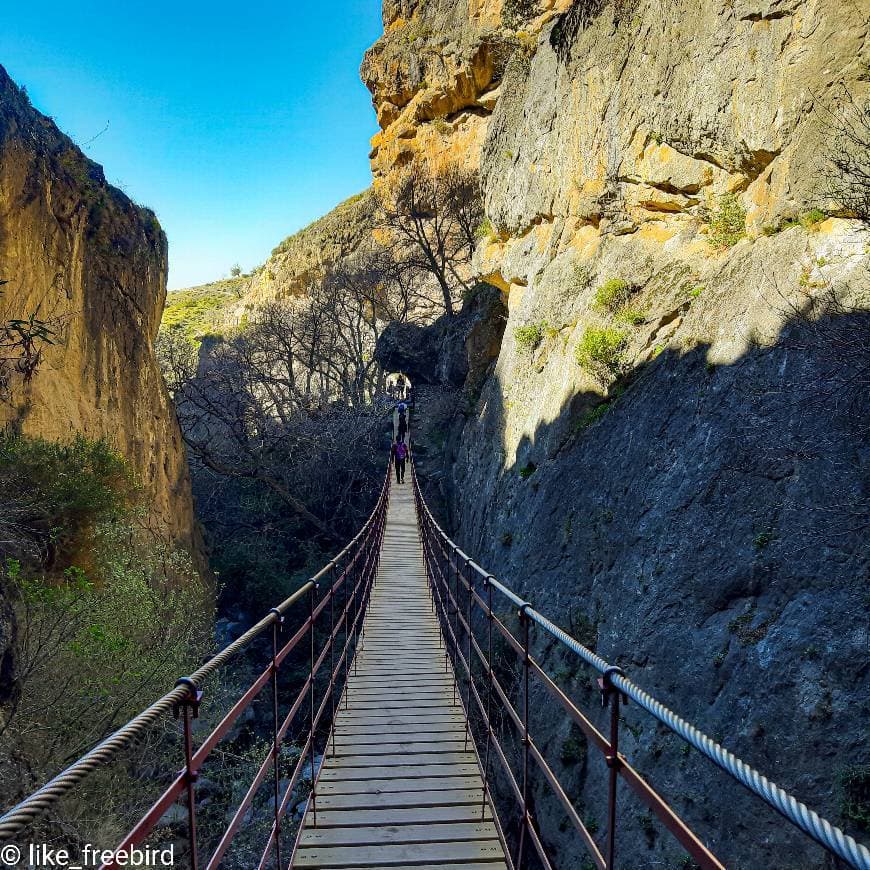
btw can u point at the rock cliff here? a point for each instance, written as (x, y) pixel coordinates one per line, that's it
(304, 256)
(669, 449)
(90, 264)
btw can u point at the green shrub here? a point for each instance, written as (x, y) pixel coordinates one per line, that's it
(416, 31)
(529, 337)
(68, 487)
(109, 614)
(600, 350)
(198, 311)
(631, 316)
(811, 219)
(728, 222)
(112, 659)
(575, 747)
(762, 539)
(593, 415)
(485, 230)
(613, 294)
(528, 470)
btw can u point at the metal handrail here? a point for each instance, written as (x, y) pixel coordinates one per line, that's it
(357, 563)
(443, 559)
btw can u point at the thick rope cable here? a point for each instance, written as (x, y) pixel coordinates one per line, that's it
(35, 805)
(822, 831)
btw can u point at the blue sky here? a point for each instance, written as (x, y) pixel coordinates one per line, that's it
(238, 123)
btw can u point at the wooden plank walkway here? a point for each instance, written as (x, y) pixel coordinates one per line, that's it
(404, 787)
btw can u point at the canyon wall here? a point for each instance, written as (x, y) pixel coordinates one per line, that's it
(669, 453)
(305, 256)
(90, 264)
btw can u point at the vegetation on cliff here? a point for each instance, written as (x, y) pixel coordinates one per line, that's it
(201, 311)
(107, 613)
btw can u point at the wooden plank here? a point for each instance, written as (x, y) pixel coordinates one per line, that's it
(429, 688)
(404, 714)
(386, 799)
(392, 854)
(401, 816)
(368, 785)
(462, 865)
(396, 704)
(410, 747)
(404, 759)
(408, 718)
(372, 836)
(427, 732)
(408, 773)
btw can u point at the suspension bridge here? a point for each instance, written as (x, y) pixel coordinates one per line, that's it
(412, 750)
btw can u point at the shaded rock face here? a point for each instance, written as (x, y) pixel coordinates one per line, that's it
(706, 531)
(80, 255)
(696, 506)
(454, 351)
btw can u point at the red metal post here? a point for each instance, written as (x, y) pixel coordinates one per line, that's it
(348, 587)
(311, 700)
(524, 621)
(611, 696)
(332, 654)
(488, 696)
(188, 709)
(453, 560)
(276, 740)
(469, 660)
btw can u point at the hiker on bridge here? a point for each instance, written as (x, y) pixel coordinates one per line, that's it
(402, 427)
(399, 452)
(400, 386)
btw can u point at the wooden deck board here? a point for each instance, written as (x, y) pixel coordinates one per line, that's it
(403, 788)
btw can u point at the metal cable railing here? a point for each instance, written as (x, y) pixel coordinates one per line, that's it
(352, 572)
(462, 590)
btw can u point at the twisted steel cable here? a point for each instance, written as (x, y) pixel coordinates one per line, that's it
(822, 831)
(809, 821)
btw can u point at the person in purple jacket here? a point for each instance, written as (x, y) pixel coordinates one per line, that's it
(399, 452)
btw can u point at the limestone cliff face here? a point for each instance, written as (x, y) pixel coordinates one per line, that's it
(306, 256)
(694, 503)
(81, 256)
(434, 79)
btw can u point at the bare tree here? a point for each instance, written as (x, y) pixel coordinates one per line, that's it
(848, 170)
(271, 403)
(430, 219)
(23, 341)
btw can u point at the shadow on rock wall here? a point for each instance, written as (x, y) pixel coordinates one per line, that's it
(707, 533)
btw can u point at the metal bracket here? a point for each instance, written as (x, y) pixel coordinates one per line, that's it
(279, 617)
(193, 699)
(606, 687)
